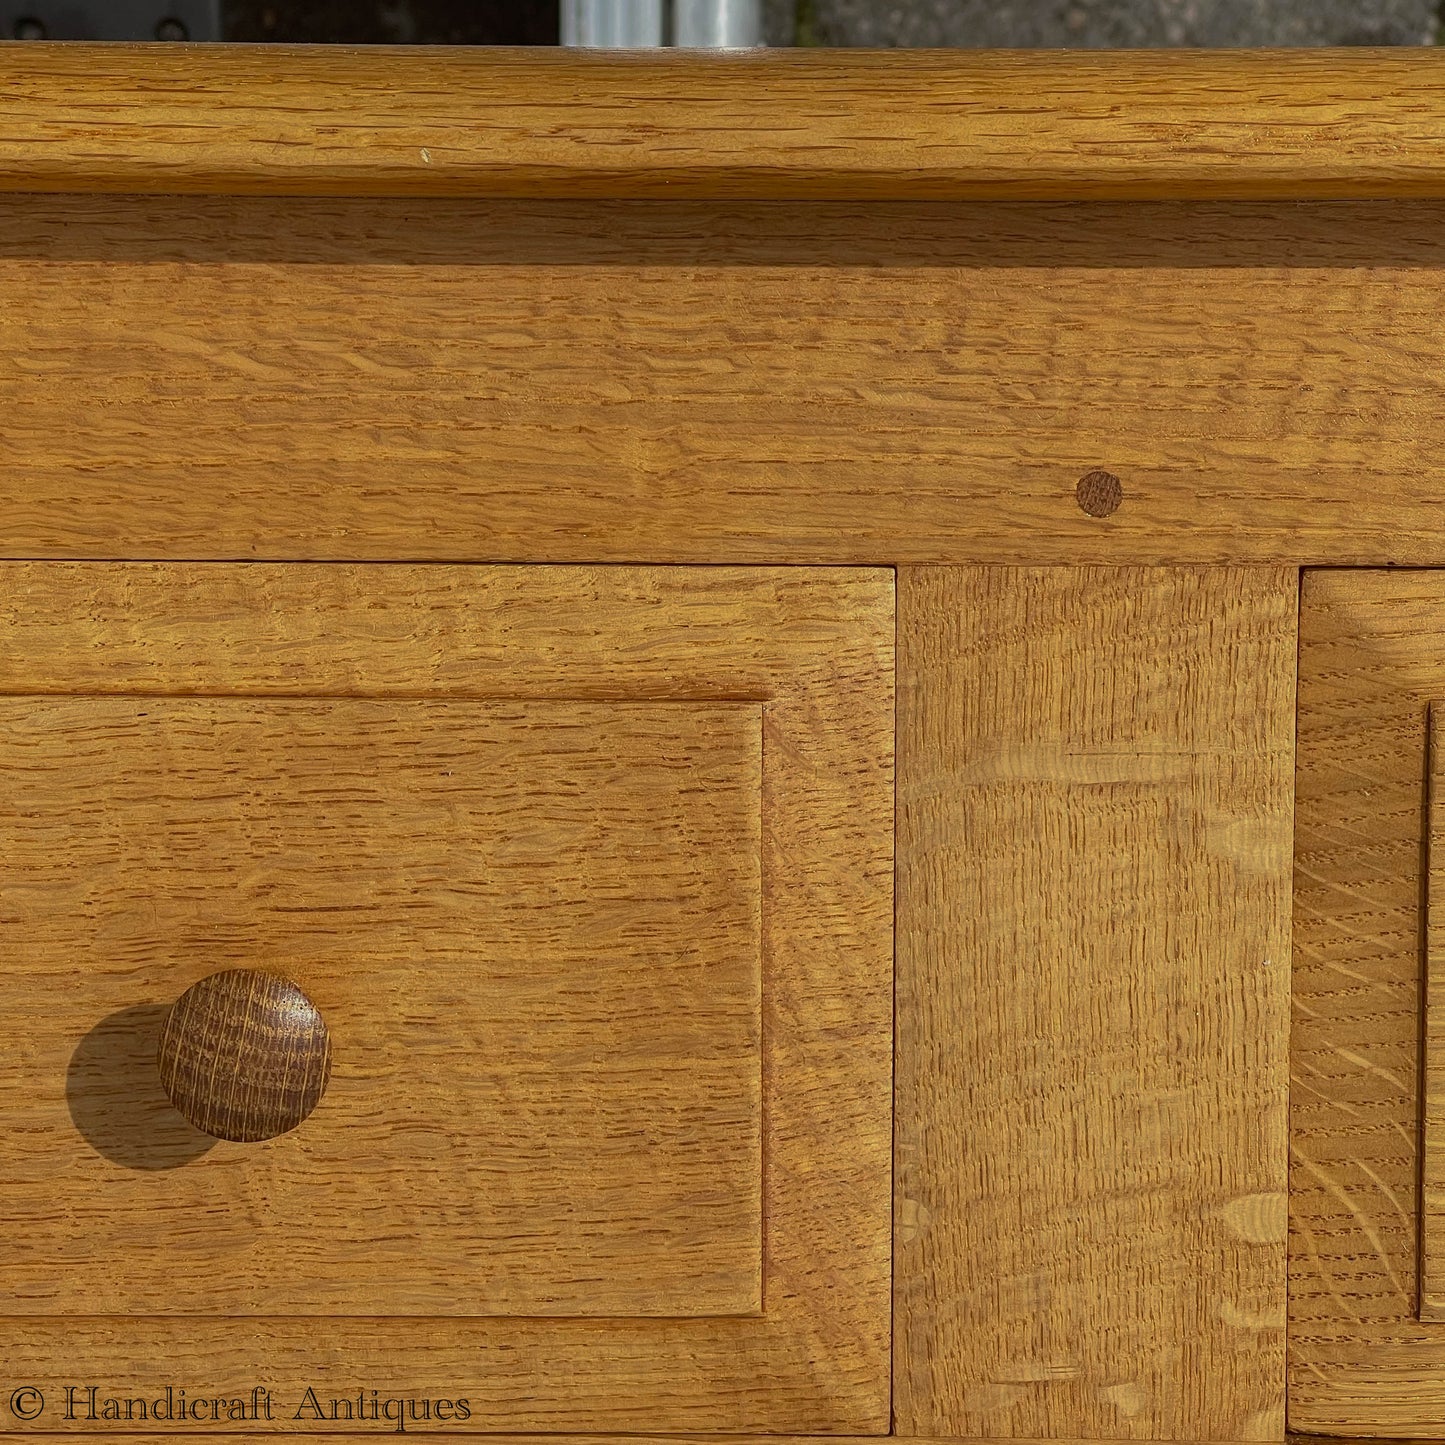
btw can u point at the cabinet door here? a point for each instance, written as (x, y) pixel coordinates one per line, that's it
(588, 872)
(1367, 1179)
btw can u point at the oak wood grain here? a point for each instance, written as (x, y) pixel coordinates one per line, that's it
(223, 1437)
(779, 124)
(1432, 1064)
(1372, 662)
(535, 930)
(657, 382)
(140, 1437)
(813, 649)
(244, 1054)
(1093, 916)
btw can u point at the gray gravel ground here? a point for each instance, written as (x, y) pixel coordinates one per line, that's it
(1117, 24)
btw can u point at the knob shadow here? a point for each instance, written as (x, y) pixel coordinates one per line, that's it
(115, 1096)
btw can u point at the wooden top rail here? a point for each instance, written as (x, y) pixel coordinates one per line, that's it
(745, 125)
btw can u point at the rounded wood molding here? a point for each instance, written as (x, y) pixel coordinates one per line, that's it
(793, 124)
(244, 1055)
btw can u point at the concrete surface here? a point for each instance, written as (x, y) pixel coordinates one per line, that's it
(780, 21)
(1121, 24)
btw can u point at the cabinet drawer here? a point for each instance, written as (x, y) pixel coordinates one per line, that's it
(1367, 1233)
(588, 872)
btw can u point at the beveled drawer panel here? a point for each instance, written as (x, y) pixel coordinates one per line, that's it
(533, 930)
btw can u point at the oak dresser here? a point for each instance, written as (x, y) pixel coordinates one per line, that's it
(792, 701)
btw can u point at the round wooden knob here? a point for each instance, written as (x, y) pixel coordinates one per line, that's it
(244, 1055)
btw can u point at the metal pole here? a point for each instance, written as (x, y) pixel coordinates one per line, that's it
(718, 24)
(612, 24)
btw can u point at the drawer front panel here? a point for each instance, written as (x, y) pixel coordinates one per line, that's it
(1366, 1342)
(590, 873)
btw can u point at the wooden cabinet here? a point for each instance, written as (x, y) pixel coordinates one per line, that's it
(800, 656)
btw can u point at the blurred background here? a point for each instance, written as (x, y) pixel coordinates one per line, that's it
(1028, 23)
